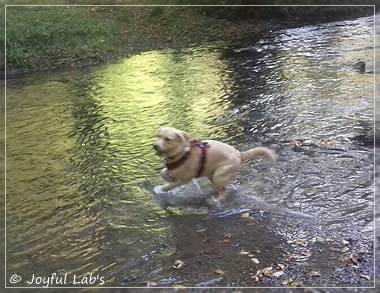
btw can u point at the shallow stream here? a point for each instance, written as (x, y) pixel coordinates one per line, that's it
(81, 172)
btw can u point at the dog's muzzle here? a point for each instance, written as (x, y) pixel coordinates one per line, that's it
(156, 147)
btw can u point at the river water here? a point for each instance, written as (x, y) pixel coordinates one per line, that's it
(81, 172)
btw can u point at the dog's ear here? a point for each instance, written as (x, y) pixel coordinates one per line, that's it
(183, 136)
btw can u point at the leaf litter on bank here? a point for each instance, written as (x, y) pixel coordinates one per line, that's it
(267, 272)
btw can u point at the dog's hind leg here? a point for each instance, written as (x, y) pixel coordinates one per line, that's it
(222, 177)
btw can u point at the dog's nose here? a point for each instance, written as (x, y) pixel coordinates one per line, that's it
(156, 147)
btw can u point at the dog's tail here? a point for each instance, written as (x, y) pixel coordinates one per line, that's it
(257, 153)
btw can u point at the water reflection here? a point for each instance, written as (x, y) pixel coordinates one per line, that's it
(81, 170)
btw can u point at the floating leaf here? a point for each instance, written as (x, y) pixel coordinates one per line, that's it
(255, 260)
(289, 257)
(345, 242)
(278, 274)
(220, 272)
(151, 284)
(346, 259)
(225, 241)
(318, 239)
(178, 264)
(365, 277)
(345, 249)
(301, 242)
(356, 260)
(307, 253)
(245, 215)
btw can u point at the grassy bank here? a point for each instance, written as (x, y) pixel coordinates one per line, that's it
(46, 37)
(68, 36)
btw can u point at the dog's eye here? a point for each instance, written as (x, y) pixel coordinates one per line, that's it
(167, 139)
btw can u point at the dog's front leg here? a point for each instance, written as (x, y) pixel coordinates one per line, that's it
(167, 176)
(173, 182)
(171, 185)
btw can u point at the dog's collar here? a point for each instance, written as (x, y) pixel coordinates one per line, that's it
(176, 164)
(195, 143)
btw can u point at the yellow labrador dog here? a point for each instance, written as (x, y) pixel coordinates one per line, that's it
(185, 159)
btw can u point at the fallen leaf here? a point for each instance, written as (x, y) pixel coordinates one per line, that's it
(256, 279)
(243, 252)
(267, 269)
(178, 264)
(220, 272)
(267, 272)
(314, 274)
(255, 260)
(281, 266)
(295, 284)
(345, 249)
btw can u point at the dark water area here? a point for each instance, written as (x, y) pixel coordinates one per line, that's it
(81, 172)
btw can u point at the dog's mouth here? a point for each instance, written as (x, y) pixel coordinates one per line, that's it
(157, 150)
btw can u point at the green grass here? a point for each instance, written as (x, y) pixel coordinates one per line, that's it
(46, 37)
(40, 36)
(43, 37)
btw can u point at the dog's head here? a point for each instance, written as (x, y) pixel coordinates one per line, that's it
(171, 142)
